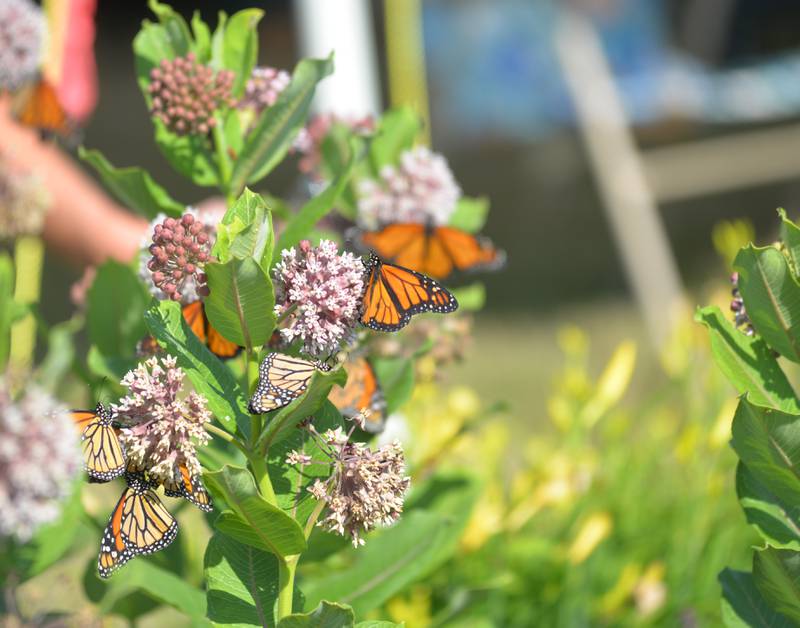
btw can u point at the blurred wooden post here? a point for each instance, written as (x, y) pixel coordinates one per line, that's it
(344, 27)
(405, 59)
(628, 200)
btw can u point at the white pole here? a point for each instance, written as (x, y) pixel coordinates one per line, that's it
(344, 27)
(629, 202)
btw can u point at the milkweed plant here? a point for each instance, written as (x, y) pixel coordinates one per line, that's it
(309, 513)
(756, 346)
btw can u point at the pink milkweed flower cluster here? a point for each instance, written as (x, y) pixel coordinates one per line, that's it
(421, 188)
(319, 292)
(161, 425)
(263, 88)
(40, 457)
(186, 93)
(22, 32)
(180, 250)
(366, 488)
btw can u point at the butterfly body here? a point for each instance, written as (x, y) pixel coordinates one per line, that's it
(436, 251)
(138, 525)
(393, 294)
(103, 454)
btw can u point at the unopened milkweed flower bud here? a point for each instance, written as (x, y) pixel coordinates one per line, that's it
(420, 189)
(319, 291)
(185, 94)
(40, 457)
(180, 250)
(22, 33)
(161, 424)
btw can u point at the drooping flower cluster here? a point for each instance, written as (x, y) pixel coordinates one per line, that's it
(40, 456)
(366, 488)
(180, 250)
(740, 317)
(161, 426)
(23, 202)
(318, 291)
(308, 142)
(22, 33)
(263, 88)
(420, 189)
(186, 93)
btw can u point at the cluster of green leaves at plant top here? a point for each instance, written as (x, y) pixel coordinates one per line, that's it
(240, 150)
(766, 428)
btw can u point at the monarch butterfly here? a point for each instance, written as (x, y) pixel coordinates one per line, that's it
(37, 106)
(362, 391)
(281, 379)
(103, 455)
(182, 484)
(189, 487)
(434, 251)
(139, 524)
(195, 316)
(394, 294)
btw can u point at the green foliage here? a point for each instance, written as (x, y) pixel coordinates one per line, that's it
(766, 428)
(326, 615)
(397, 130)
(252, 520)
(267, 144)
(422, 540)
(743, 604)
(772, 298)
(470, 214)
(133, 187)
(117, 302)
(241, 581)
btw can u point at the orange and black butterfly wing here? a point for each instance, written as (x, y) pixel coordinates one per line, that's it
(139, 524)
(409, 245)
(189, 487)
(394, 294)
(114, 551)
(195, 316)
(38, 107)
(221, 346)
(362, 392)
(466, 251)
(103, 454)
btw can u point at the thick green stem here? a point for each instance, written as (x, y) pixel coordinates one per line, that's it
(261, 474)
(286, 572)
(28, 259)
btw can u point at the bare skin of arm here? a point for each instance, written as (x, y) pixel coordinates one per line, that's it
(83, 224)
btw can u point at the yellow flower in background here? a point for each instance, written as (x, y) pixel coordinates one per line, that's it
(488, 518)
(573, 341)
(413, 609)
(594, 531)
(613, 383)
(622, 591)
(650, 592)
(729, 236)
